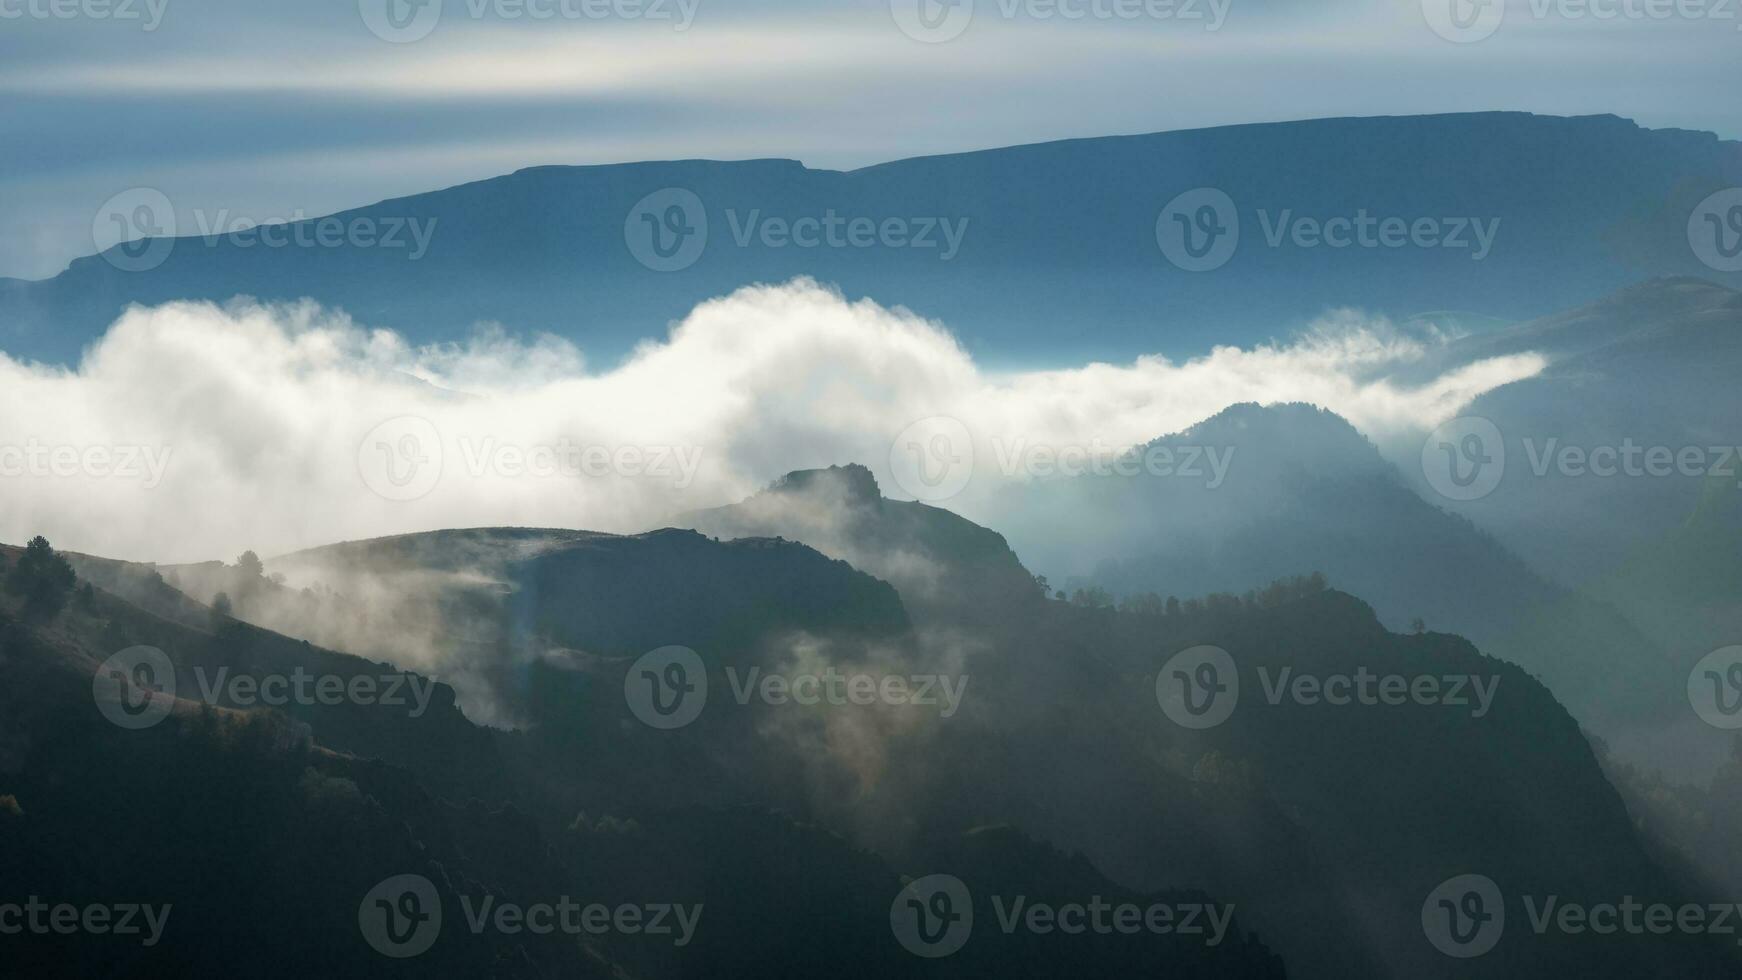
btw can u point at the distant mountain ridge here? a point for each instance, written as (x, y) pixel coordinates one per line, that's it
(1584, 205)
(1653, 365)
(1307, 492)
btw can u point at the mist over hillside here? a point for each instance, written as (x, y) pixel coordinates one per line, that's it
(1285, 549)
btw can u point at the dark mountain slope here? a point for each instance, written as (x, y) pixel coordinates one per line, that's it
(1325, 825)
(487, 608)
(264, 845)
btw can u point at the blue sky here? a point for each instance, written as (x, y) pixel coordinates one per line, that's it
(272, 110)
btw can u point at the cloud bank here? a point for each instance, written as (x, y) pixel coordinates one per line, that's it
(192, 431)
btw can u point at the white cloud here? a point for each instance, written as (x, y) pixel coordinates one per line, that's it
(263, 413)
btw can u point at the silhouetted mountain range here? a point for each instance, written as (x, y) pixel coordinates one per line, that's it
(1323, 825)
(1306, 492)
(1051, 237)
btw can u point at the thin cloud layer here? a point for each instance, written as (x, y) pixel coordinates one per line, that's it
(192, 431)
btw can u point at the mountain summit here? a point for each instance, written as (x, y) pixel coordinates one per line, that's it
(934, 558)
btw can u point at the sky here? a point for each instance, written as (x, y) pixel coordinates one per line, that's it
(276, 110)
